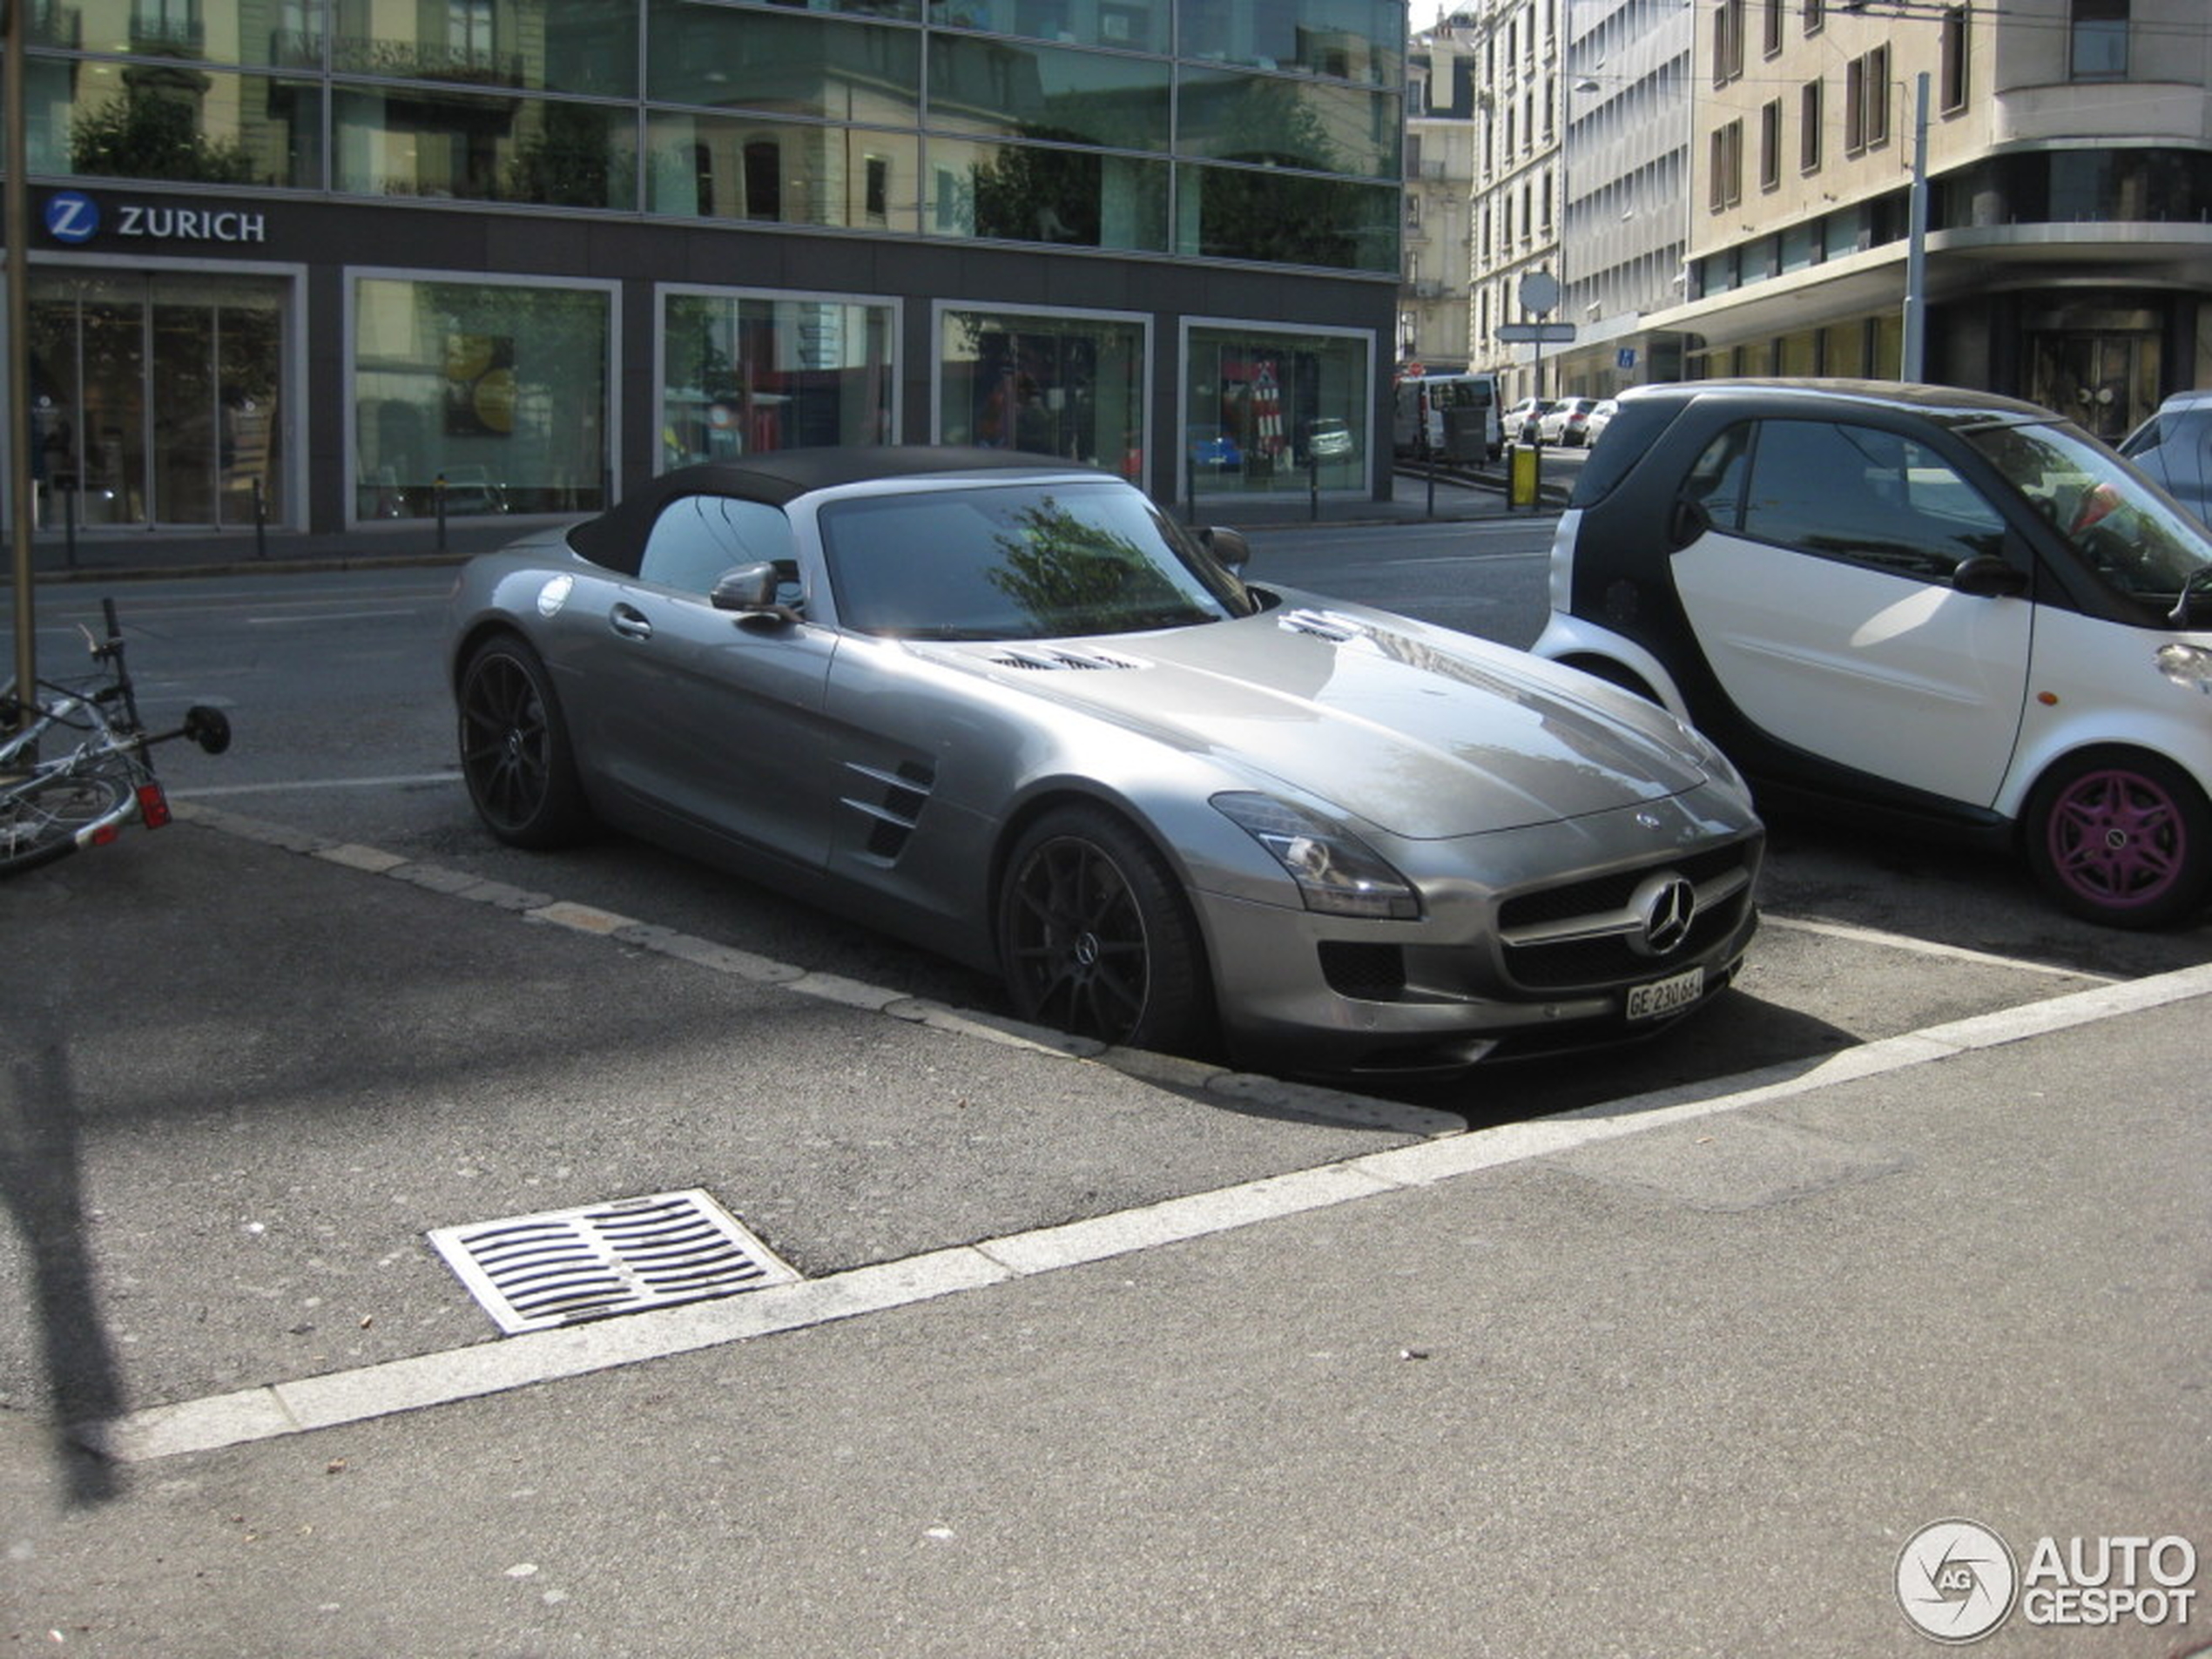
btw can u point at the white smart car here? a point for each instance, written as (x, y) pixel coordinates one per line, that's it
(1936, 609)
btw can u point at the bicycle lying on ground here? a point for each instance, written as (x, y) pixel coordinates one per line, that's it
(77, 770)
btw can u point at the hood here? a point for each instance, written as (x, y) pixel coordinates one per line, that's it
(1421, 732)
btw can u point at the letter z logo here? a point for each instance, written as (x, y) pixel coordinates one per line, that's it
(72, 216)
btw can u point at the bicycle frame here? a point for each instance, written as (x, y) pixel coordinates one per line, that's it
(107, 742)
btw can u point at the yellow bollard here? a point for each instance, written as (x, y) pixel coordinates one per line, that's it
(1521, 476)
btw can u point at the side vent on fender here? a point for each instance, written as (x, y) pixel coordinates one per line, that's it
(890, 801)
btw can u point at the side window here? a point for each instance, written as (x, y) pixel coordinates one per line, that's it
(1867, 497)
(1717, 481)
(697, 537)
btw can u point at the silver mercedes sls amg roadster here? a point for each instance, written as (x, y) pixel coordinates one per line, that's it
(1006, 708)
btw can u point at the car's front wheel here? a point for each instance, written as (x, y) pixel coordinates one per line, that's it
(2121, 837)
(1096, 937)
(515, 749)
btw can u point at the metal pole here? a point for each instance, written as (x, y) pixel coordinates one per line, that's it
(1916, 248)
(17, 426)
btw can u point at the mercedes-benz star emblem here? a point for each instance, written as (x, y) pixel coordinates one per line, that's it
(1667, 904)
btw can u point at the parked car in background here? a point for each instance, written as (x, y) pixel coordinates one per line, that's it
(1009, 709)
(1928, 607)
(1565, 422)
(1326, 439)
(1521, 420)
(1599, 418)
(1214, 450)
(2174, 447)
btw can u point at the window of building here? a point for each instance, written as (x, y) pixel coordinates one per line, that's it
(1253, 397)
(1951, 72)
(1814, 15)
(1866, 101)
(743, 373)
(1808, 119)
(2099, 40)
(1770, 42)
(500, 389)
(1728, 41)
(1071, 385)
(1771, 144)
(1725, 188)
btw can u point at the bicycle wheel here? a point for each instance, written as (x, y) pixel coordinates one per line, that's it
(39, 817)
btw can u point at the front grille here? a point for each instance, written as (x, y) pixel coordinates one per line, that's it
(1604, 954)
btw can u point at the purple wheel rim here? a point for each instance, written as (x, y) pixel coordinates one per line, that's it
(2117, 839)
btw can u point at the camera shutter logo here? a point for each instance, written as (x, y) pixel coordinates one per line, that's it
(1956, 1581)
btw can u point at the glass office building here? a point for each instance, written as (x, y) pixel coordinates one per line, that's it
(328, 264)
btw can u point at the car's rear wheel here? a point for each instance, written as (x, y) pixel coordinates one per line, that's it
(515, 749)
(1097, 937)
(2121, 837)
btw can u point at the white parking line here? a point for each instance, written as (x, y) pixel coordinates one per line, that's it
(1928, 947)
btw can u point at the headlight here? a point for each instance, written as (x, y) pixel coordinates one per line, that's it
(1337, 873)
(2188, 666)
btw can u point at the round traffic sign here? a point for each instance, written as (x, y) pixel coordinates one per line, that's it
(1539, 293)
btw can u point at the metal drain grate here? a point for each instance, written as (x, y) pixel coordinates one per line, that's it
(532, 1272)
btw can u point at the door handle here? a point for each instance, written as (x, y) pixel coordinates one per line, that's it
(630, 623)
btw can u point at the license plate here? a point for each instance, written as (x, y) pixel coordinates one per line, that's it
(1666, 995)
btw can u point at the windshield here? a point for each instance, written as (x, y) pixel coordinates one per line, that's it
(2123, 526)
(1018, 561)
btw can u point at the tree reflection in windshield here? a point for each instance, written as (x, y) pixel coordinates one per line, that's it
(1014, 561)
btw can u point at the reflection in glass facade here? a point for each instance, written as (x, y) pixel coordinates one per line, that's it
(1070, 386)
(500, 390)
(1051, 121)
(741, 373)
(1263, 408)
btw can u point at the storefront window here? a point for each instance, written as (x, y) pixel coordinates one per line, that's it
(1066, 386)
(1020, 192)
(500, 390)
(157, 400)
(703, 166)
(1264, 410)
(728, 59)
(746, 373)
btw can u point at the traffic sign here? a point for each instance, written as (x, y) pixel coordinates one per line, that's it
(1536, 333)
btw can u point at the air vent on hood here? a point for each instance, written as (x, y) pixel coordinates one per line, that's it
(1325, 624)
(1060, 657)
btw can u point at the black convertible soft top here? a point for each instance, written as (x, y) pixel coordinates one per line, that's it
(615, 539)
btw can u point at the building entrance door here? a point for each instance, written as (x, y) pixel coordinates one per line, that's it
(154, 399)
(2105, 380)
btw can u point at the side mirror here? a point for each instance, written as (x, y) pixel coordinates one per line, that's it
(1985, 575)
(1230, 548)
(750, 590)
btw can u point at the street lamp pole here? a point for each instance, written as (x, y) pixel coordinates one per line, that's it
(16, 209)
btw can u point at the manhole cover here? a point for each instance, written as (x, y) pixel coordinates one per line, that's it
(531, 1273)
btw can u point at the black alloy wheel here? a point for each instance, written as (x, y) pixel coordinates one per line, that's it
(515, 750)
(1096, 937)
